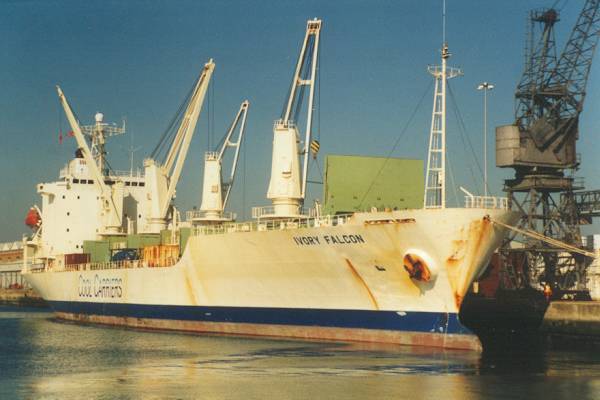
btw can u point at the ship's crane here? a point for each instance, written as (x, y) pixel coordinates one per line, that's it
(162, 177)
(287, 187)
(540, 147)
(215, 192)
(111, 196)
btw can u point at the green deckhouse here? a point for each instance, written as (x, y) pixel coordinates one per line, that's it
(354, 183)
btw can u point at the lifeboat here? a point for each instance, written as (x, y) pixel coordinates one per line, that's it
(33, 218)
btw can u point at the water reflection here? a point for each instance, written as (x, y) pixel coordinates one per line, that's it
(40, 357)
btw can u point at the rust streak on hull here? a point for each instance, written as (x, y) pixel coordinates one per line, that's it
(363, 283)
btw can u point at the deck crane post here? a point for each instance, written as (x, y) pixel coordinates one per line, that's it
(111, 198)
(162, 178)
(215, 192)
(287, 187)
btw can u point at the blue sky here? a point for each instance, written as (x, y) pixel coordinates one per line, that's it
(138, 59)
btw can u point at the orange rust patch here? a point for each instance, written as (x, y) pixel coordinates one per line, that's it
(458, 300)
(484, 227)
(363, 283)
(416, 268)
(189, 288)
(459, 268)
(390, 221)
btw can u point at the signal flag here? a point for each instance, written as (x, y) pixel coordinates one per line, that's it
(314, 147)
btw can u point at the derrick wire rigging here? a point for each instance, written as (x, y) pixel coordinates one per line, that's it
(243, 181)
(402, 132)
(211, 113)
(463, 131)
(305, 70)
(169, 133)
(554, 6)
(221, 141)
(453, 180)
(318, 135)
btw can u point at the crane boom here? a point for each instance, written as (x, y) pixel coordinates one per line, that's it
(241, 116)
(551, 93)
(215, 192)
(287, 187)
(572, 70)
(81, 143)
(185, 133)
(162, 177)
(309, 54)
(112, 211)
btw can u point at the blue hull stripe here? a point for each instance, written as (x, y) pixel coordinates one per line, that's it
(363, 319)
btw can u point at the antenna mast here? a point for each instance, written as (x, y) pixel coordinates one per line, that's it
(435, 178)
(98, 133)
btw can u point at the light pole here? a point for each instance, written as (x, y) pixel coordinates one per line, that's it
(485, 86)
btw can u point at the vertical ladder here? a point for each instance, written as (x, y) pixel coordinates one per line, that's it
(435, 178)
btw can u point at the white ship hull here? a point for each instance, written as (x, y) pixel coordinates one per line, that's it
(339, 282)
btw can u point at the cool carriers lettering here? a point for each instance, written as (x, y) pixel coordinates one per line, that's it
(100, 287)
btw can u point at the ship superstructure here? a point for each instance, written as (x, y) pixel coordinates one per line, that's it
(382, 275)
(91, 202)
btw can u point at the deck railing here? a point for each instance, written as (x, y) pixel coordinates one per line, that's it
(271, 225)
(486, 202)
(200, 215)
(97, 266)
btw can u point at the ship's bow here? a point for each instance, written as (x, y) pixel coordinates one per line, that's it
(477, 238)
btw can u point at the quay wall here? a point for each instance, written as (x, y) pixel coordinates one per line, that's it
(21, 297)
(573, 318)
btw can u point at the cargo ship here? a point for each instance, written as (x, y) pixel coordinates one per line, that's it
(111, 248)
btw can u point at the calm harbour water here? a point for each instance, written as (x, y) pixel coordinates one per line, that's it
(44, 358)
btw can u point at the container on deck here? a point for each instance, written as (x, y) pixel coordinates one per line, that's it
(99, 250)
(77, 258)
(181, 237)
(161, 255)
(140, 240)
(125, 255)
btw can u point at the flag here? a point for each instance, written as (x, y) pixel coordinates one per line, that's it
(314, 147)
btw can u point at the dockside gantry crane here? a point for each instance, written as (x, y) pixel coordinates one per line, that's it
(541, 147)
